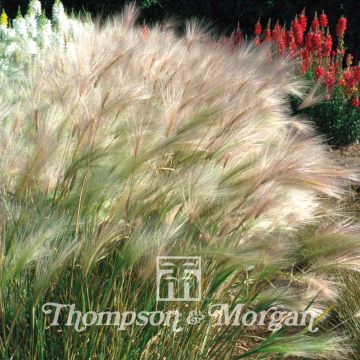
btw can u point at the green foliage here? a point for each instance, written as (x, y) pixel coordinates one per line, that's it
(336, 118)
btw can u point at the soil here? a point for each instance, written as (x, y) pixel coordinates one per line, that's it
(348, 155)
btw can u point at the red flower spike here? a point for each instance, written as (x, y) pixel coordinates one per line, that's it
(289, 38)
(309, 41)
(319, 73)
(315, 25)
(276, 33)
(349, 78)
(357, 74)
(268, 35)
(258, 28)
(342, 83)
(305, 55)
(341, 27)
(328, 43)
(236, 36)
(298, 32)
(329, 80)
(317, 40)
(323, 20)
(282, 41)
(303, 20)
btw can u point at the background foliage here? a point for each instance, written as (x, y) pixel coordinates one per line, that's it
(336, 118)
(223, 14)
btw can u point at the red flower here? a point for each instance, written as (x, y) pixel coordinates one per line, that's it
(348, 76)
(236, 36)
(291, 43)
(355, 101)
(289, 37)
(313, 40)
(276, 33)
(267, 35)
(298, 32)
(349, 60)
(315, 23)
(323, 20)
(303, 20)
(342, 82)
(310, 41)
(293, 48)
(258, 28)
(357, 73)
(328, 43)
(319, 73)
(305, 54)
(317, 39)
(257, 41)
(304, 67)
(341, 26)
(282, 44)
(329, 80)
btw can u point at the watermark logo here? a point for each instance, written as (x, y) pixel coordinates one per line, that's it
(215, 314)
(178, 278)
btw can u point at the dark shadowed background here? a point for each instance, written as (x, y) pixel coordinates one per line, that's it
(223, 15)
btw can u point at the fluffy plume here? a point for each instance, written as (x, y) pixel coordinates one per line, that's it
(150, 143)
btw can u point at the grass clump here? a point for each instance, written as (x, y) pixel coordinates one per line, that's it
(136, 144)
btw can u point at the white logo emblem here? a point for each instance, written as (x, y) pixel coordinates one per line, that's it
(178, 278)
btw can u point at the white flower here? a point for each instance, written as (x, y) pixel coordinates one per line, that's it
(34, 31)
(35, 7)
(19, 25)
(74, 28)
(59, 17)
(31, 46)
(58, 39)
(45, 35)
(31, 25)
